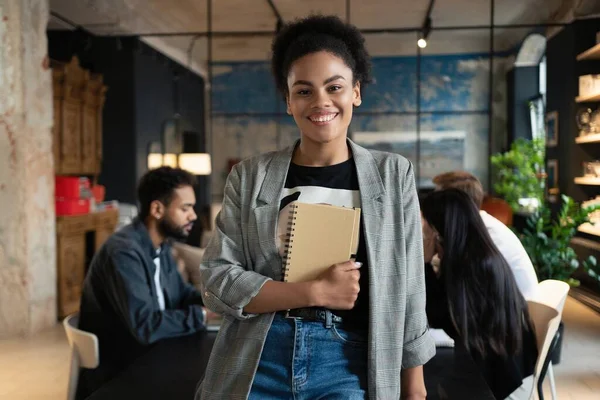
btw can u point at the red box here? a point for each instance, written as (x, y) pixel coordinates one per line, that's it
(72, 206)
(99, 192)
(72, 187)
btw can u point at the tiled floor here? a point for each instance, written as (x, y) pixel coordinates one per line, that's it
(578, 374)
(37, 368)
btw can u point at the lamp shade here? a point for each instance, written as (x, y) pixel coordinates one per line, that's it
(155, 160)
(196, 163)
(170, 160)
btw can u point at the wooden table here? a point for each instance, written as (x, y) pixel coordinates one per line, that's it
(171, 369)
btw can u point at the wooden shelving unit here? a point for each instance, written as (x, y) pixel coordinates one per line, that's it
(595, 138)
(590, 54)
(587, 240)
(588, 99)
(585, 180)
(589, 229)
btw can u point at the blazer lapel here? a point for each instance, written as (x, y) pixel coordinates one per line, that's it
(369, 178)
(275, 175)
(372, 194)
(266, 213)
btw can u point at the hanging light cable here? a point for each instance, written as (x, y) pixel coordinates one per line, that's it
(426, 28)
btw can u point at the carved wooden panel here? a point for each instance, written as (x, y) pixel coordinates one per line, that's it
(58, 94)
(56, 129)
(71, 248)
(70, 148)
(79, 100)
(102, 235)
(99, 127)
(71, 270)
(75, 224)
(88, 138)
(106, 222)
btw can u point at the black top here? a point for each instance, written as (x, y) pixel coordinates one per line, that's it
(503, 375)
(336, 185)
(119, 302)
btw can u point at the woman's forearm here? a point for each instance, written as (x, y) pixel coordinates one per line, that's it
(413, 384)
(279, 296)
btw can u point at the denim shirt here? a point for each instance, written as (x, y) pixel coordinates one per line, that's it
(119, 302)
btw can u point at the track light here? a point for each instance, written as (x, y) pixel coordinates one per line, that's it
(422, 42)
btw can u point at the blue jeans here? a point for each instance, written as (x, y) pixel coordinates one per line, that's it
(308, 360)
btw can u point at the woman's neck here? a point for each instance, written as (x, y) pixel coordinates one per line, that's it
(314, 154)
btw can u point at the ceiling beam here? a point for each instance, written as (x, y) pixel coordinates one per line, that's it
(363, 31)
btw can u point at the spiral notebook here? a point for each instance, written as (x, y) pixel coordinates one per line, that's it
(319, 235)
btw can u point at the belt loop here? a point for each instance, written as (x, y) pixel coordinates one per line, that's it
(328, 319)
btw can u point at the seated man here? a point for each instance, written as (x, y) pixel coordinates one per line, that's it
(133, 294)
(505, 240)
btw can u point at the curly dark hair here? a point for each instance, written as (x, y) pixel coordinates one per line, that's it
(319, 33)
(160, 184)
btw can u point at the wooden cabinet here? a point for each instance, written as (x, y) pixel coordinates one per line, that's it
(77, 147)
(77, 239)
(77, 134)
(71, 261)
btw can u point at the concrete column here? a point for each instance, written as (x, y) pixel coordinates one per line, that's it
(27, 219)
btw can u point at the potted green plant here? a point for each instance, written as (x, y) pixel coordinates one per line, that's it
(519, 172)
(547, 240)
(594, 272)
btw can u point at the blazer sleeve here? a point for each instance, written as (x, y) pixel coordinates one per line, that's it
(227, 286)
(419, 346)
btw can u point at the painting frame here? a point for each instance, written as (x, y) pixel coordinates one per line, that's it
(428, 148)
(552, 129)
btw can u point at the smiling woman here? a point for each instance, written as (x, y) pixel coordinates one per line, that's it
(318, 339)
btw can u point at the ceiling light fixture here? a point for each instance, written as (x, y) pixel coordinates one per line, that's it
(425, 31)
(426, 28)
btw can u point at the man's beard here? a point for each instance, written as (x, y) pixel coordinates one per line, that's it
(169, 230)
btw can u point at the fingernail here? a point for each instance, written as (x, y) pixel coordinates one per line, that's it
(358, 264)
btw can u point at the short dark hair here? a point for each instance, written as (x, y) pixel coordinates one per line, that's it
(464, 181)
(160, 184)
(319, 33)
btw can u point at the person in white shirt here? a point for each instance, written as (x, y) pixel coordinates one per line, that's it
(505, 240)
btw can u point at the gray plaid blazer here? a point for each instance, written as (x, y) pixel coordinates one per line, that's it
(243, 255)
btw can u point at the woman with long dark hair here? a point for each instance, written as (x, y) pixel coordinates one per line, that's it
(473, 295)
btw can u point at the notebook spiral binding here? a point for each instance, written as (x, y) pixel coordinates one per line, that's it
(289, 240)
